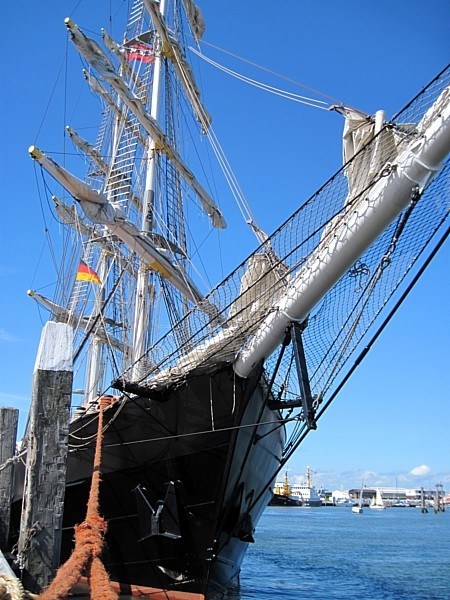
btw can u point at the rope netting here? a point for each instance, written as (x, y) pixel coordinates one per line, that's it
(342, 319)
(89, 540)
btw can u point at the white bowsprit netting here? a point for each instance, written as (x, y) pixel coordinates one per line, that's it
(344, 318)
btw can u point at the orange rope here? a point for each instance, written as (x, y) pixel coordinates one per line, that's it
(89, 540)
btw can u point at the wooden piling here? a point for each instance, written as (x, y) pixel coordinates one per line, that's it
(8, 432)
(424, 508)
(42, 512)
(438, 502)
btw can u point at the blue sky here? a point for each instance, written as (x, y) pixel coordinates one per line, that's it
(392, 418)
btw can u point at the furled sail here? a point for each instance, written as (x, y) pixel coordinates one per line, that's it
(363, 166)
(69, 216)
(195, 18)
(64, 315)
(97, 58)
(97, 208)
(116, 49)
(173, 50)
(87, 148)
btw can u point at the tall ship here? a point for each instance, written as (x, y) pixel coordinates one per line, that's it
(197, 399)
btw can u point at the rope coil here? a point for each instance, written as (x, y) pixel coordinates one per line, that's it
(12, 589)
(89, 540)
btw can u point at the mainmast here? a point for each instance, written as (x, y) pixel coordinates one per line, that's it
(143, 295)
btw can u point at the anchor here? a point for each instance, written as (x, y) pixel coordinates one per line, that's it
(162, 522)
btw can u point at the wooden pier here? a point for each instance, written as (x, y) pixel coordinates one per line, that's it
(8, 431)
(42, 511)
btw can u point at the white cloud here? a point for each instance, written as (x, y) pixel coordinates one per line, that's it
(7, 271)
(14, 401)
(7, 337)
(421, 471)
(351, 479)
(368, 475)
(9, 397)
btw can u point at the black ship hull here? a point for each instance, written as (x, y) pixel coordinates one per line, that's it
(282, 500)
(186, 475)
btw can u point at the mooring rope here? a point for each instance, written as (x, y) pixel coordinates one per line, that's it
(11, 588)
(12, 460)
(89, 541)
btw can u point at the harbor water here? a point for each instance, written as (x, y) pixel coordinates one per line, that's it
(332, 553)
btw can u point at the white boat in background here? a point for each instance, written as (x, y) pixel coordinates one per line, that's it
(358, 508)
(377, 502)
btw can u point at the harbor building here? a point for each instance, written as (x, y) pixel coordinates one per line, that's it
(395, 495)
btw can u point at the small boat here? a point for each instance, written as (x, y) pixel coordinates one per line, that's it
(358, 508)
(377, 502)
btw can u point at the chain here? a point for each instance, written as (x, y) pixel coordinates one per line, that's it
(20, 554)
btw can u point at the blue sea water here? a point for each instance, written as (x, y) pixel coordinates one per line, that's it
(331, 553)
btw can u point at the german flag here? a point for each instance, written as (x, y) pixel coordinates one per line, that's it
(85, 273)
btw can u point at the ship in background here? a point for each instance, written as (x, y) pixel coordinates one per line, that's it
(306, 492)
(203, 417)
(282, 494)
(296, 494)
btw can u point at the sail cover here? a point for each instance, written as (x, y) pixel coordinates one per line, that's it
(195, 18)
(362, 167)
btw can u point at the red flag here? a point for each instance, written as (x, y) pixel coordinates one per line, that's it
(140, 52)
(85, 273)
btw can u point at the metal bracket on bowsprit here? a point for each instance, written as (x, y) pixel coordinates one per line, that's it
(302, 372)
(294, 335)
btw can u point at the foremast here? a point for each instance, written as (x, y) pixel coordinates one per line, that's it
(133, 223)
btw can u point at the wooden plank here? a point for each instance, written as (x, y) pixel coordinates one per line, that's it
(41, 524)
(8, 432)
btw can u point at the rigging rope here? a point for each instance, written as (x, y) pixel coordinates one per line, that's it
(98, 316)
(224, 164)
(89, 540)
(264, 86)
(306, 87)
